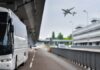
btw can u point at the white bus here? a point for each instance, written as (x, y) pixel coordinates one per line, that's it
(13, 40)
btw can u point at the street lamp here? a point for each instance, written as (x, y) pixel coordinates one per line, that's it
(86, 14)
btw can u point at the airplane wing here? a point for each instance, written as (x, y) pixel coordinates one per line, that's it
(63, 10)
(71, 8)
(65, 14)
(67, 11)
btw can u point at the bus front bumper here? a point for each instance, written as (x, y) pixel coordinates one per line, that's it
(6, 65)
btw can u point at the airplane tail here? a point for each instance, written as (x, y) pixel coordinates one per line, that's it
(74, 13)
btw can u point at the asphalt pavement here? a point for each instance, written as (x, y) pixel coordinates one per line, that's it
(42, 60)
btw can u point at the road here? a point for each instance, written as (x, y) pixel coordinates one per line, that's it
(42, 60)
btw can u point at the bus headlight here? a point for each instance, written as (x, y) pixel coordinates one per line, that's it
(5, 60)
(8, 59)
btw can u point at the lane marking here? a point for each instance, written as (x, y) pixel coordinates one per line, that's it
(31, 65)
(32, 59)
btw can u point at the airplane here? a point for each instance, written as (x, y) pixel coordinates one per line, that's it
(74, 13)
(67, 11)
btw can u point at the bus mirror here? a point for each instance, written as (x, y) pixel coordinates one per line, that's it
(9, 20)
(11, 28)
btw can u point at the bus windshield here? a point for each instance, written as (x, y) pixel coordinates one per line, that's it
(5, 48)
(3, 17)
(2, 31)
(3, 25)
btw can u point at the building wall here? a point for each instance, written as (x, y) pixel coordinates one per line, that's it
(89, 35)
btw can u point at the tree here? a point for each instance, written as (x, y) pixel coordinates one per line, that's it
(53, 35)
(60, 36)
(68, 37)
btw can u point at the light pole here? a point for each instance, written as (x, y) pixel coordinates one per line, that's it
(86, 14)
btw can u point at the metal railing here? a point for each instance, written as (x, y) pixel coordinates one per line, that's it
(90, 47)
(88, 58)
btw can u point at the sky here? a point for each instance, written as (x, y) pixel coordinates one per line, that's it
(54, 21)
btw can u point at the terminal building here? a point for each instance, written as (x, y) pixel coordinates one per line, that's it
(88, 35)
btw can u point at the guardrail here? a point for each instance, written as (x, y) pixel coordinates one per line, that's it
(89, 58)
(90, 47)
